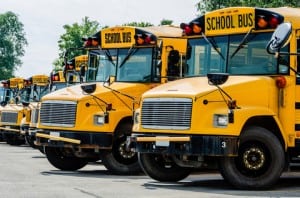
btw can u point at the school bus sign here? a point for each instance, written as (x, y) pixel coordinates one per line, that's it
(117, 37)
(222, 22)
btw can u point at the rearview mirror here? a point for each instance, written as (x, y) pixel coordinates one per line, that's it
(279, 38)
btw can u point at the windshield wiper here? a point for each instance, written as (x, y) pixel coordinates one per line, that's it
(242, 43)
(131, 51)
(107, 53)
(214, 45)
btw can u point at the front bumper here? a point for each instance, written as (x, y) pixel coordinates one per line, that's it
(203, 145)
(74, 139)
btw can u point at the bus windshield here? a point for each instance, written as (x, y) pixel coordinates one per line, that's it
(102, 64)
(242, 54)
(34, 93)
(126, 64)
(134, 65)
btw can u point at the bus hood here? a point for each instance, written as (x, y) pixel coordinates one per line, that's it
(75, 93)
(198, 87)
(13, 107)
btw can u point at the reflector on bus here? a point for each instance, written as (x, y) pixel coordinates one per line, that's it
(237, 20)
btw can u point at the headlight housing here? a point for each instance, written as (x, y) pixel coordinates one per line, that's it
(220, 120)
(136, 116)
(99, 119)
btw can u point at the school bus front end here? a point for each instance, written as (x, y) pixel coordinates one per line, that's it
(239, 117)
(91, 121)
(12, 113)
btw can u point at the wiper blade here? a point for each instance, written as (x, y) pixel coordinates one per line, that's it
(214, 45)
(242, 43)
(107, 53)
(131, 51)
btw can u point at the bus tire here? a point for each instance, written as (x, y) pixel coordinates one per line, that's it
(260, 161)
(14, 140)
(119, 160)
(30, 141)
(60, 161)
(157, 167)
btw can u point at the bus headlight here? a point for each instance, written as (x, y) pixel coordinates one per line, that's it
(220, 120)
(99, 119)
(136, 117)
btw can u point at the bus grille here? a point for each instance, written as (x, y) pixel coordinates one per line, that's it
(9, 117)
(34, 116)
(58, 113)
(166, 113)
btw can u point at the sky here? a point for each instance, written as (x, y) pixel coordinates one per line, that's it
(43, 22)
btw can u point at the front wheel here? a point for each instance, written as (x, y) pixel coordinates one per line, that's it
(59, 159)
(259, 163)
(162, 168)
(120, 160)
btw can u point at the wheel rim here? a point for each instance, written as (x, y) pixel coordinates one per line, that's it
(254, 159)
(122, 154)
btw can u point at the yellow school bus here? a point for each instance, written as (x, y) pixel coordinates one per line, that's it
(72, 72)
(5, 96)
(12, 111)
(89, 122)
(34, 89)
(240, 115)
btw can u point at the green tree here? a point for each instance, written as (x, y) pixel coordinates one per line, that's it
(12, 43)
(72, 38)
(166, 22)
(209, 5)
(138, 24)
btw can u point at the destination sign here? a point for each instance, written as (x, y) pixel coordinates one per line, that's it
(16, 82)
(39, 79)
(227, 21)
(117, 37)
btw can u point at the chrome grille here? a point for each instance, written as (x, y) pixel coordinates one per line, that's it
(34, 115)
(166, 113)
(58, 113)
(9, 117)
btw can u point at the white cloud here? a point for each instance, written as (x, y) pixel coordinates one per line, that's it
(44, 20)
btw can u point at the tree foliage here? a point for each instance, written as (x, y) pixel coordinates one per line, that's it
(209, 5)
(166, 22)
(138, 24)
(72, 38)
(12, 43)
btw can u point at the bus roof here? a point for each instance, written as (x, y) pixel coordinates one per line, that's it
(164, 30)
(290, 15)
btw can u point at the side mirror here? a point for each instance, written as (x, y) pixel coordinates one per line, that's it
(173, 57)
(25, 104)
(217, 78)
(82, 70)
(279, 38)
(89, 88)
(3, 103)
